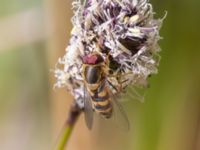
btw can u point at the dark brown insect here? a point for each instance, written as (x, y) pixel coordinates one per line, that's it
(98, 96)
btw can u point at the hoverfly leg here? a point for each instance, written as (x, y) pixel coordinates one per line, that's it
(113, 87)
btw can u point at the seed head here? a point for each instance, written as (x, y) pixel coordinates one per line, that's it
(124, 30)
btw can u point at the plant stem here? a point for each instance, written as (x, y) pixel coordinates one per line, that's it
(69, 125)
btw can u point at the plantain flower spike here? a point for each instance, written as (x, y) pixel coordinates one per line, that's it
(125, 31)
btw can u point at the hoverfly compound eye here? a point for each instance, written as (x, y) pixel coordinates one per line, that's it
(92, 59)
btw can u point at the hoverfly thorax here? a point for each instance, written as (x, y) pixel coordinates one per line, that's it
(92, 74)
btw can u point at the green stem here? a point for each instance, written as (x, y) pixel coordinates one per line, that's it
(65, 138)
(68, 128)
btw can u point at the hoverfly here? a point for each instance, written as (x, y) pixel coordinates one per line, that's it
(98, 96)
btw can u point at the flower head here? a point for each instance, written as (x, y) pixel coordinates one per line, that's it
(123, 31)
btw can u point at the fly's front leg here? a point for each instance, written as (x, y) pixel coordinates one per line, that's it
(121, 80)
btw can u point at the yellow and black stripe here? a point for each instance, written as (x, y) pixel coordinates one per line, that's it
(102, 102)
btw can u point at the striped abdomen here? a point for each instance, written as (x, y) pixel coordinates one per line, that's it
(101, 100)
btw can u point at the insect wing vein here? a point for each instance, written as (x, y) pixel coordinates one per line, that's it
(119, 115)
(88, 110)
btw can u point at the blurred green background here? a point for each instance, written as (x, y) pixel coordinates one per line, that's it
(34, 33)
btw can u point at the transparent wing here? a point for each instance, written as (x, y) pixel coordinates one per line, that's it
(88, 110)
(135, 93)
(119, 115)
